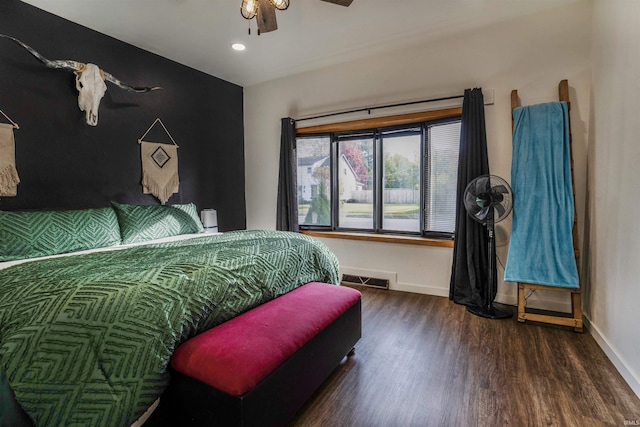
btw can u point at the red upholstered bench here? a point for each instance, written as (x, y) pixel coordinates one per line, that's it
(260, 367)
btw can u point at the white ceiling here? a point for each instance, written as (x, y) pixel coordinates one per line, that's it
(311, 33)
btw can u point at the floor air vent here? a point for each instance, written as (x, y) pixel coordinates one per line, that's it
(349, 279)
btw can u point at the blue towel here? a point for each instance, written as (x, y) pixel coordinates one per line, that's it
(541, 246)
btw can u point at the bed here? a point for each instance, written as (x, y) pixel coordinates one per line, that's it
(86, 335)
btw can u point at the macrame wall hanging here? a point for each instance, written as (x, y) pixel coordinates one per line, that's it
(159, 166)
(8, 173)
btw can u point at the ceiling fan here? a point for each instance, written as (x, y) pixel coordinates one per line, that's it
(265, 12)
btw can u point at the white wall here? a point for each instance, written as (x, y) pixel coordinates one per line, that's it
(613, 289)
(531, 54)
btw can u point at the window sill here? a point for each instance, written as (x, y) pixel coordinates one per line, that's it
(385, 238)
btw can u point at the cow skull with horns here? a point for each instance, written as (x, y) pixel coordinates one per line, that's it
(90, 81)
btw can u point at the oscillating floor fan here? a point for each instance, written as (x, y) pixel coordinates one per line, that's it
(488, 199)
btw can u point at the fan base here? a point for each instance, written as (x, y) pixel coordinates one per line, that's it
(490, 312)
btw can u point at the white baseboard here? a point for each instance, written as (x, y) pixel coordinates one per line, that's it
(628, 375)
(419, 289)
(543, 300)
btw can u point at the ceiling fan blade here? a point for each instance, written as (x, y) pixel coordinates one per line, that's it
(340, 2)
(266, 17)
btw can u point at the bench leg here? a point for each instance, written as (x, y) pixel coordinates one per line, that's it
(351, 352)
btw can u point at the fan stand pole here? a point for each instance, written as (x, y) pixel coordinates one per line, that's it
(489, 310)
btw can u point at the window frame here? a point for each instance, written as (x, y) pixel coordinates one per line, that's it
(406, 129)
(335, 208)
(427, 147)
(377, 127)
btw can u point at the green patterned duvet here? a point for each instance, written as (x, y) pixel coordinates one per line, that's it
(86, 339)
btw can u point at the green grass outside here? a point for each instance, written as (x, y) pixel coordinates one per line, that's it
(365, 210)
(400, 211)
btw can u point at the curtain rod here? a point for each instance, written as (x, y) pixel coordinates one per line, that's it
(369, 109)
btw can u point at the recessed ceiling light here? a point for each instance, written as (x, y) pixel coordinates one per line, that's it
(238, 46)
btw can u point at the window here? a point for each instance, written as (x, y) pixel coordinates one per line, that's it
(399, 180)
(313, 174)
(401, 152)
(442, 179)
(355, 210)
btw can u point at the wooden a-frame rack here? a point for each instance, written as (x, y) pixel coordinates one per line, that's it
(575, 320)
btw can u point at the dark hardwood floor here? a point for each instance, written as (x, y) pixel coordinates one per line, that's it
(424, 361)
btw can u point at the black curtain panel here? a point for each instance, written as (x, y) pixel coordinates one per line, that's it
(469, 272)
(287, 213)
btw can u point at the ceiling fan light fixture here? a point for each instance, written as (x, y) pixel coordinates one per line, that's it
(249, 8)
(280, 4)
(265, 12)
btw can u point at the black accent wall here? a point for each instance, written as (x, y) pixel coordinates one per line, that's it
(63, 163)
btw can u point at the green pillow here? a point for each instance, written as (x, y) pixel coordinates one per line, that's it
(39, 233)
(139, 223)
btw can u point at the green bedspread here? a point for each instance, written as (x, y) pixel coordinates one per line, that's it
(86, 339)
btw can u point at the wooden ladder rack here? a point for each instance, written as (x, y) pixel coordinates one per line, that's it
(575, 320)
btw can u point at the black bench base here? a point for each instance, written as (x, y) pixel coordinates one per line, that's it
(275, 400)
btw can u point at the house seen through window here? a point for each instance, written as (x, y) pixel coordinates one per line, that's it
(386, 180)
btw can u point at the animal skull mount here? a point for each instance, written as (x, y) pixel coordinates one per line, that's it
(91, 88)
(90, 81)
